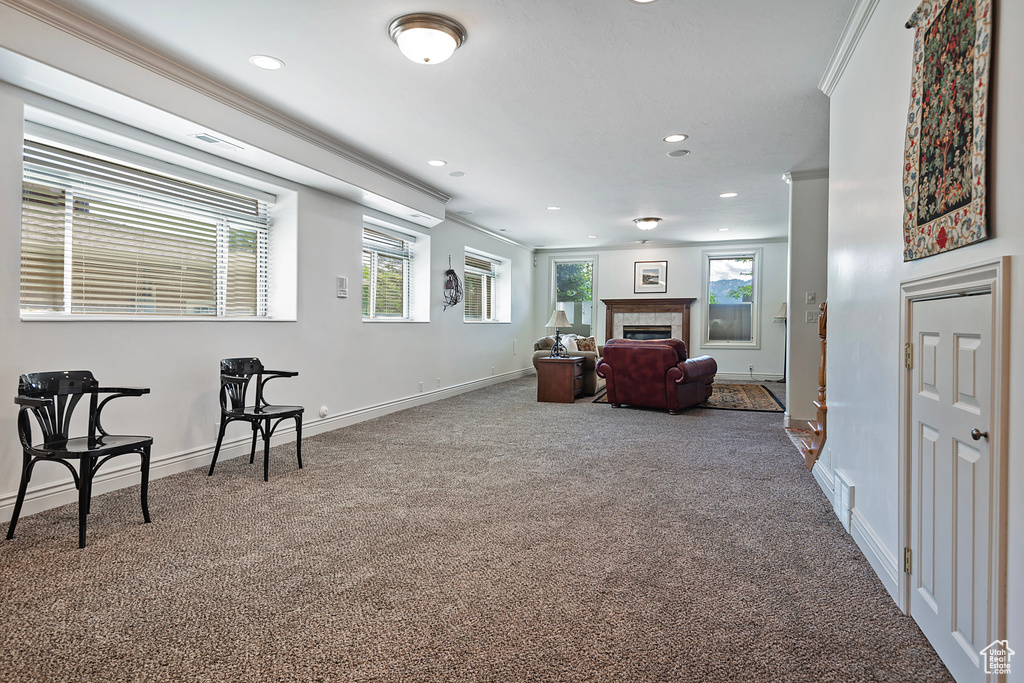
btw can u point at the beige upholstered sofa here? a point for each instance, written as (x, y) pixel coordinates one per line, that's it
(591, 382)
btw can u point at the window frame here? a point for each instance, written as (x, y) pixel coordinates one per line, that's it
(152, 165)
(491, 285)
(757, 255)
(596, 330)
(416, 270)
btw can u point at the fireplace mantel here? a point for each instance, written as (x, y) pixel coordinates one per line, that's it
(613, 306)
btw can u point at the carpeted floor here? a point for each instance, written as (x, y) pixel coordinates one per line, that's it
(483, 538)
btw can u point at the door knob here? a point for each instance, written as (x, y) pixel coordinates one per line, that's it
(977, 434)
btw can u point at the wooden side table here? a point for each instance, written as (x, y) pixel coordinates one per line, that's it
(559, 380)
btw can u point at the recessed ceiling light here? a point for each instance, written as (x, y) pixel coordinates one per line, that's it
(554, 208)
(502, 229)
(675, 137)
(266, 62)
(723, 230)
(679, 153)
(457, 174)
(643, 2)
(728, 195)
(437, 162)
(593, 237)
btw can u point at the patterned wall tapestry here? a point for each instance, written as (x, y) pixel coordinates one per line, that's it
(944, 175)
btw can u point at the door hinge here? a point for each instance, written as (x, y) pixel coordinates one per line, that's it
(908, 563)
(908, 356)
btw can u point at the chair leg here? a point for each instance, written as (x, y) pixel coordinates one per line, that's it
(26, 474)
(216, 451)
(298, 439)
(84, 494)
(252, 448)
(266, 452)
(145, 484)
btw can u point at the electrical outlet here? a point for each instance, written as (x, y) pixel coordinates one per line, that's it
(750, 367)
(492, 372)
(438, 382)
(421, 387)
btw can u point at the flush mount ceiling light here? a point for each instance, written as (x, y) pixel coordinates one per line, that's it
(675, 137)
(649, 223)
(266, 62)
(427, 38)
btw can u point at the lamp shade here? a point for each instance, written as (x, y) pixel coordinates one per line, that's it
(427, 38)
(558, 319)
(781, 315)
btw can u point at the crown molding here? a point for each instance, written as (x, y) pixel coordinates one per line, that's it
(473, 226)
(116, 44)
(852, 32)
(814, 174)
(724, 244)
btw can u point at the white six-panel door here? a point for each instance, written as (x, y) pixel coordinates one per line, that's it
(951, 477)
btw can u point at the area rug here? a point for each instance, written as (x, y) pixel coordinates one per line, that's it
(734, 397)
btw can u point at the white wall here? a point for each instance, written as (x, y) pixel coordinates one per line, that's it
(614, 275)
(356, 369)
(808, 272)
(865, 268)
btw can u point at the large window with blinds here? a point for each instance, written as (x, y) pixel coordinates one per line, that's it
(105, 238)
(480, 277)
(387, 274)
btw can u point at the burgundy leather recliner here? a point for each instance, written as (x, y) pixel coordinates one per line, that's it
(655, 373)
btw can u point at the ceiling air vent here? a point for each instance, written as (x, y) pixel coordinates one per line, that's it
(214, 140)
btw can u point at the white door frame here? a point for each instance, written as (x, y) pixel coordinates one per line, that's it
(986, 277)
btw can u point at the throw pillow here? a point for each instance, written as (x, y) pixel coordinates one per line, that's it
(570, 342)
(586, 344)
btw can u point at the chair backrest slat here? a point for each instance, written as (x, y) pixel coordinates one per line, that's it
(64, 389)
(235, 374)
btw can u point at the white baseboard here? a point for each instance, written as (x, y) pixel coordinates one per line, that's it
(883, 562)
(824, 477)
(732, 376)
(123, 474)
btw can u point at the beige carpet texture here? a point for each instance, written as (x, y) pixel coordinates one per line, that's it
(486, 537)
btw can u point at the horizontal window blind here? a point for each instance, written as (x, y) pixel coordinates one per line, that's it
(100, 237)
(479, 275)
(387, 261)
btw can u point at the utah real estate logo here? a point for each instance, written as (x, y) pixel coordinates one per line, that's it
(997, 657)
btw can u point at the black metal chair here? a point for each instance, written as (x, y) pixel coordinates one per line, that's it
(51, 398)
(235, 376)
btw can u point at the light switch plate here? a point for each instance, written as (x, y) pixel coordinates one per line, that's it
(811, 316)
(810, 297)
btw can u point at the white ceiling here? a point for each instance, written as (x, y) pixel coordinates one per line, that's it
(549, 102)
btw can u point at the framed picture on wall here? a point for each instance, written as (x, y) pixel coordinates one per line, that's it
(650, 277)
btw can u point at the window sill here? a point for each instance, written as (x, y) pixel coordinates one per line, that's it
(65, 317)
(392, 321)
(487, 322)
(730, 345)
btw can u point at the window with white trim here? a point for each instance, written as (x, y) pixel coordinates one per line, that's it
(101, 237)
(732, 292)
(387, 274)
(480, 279)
